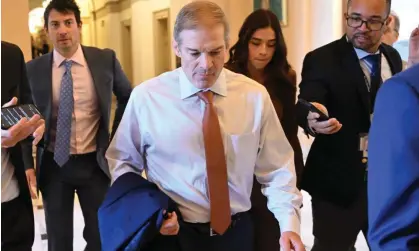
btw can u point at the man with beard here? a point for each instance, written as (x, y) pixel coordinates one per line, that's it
(341, 79)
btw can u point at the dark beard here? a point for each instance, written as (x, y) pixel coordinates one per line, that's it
(365, 47)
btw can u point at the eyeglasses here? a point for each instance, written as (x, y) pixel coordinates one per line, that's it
(356, 22)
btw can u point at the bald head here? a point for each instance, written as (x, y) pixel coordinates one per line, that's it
(391, 33)
(387, 2)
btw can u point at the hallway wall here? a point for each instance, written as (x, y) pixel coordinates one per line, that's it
(14, 25)
(311, 23)
(143, 37)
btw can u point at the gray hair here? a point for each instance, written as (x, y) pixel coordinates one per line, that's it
(396, 21)
(200, 14)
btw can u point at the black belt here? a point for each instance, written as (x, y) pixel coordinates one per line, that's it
(205, 228)
(75, 156)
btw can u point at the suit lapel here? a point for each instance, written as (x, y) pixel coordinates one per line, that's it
(385, 52)
(45, 90)
(94, 71)
(100, 75)
(353, 71)
(102, 80)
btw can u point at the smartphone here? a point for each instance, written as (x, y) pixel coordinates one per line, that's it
(312, 108)
(13, 114)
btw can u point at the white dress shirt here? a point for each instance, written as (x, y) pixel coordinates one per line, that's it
(161, 133)
(9, 185)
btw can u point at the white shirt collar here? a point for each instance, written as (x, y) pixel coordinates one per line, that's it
(361, 53)
(77, 58)
(187, 89)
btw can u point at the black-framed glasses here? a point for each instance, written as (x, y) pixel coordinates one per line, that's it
(356, 22)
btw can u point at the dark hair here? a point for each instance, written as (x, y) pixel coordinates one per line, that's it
(62, 6)
(388, 2)
(278, 69)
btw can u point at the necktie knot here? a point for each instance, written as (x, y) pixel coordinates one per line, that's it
(207, 96)
(374, 61)
(373, 58)
(67, 64)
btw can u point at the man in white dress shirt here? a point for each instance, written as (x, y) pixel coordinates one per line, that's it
(176, 125)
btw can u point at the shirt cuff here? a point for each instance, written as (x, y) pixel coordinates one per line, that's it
(289, 224)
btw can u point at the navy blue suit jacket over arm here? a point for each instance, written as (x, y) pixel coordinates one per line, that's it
(132, 213)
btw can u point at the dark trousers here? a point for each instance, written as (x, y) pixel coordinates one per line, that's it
(81, 174)
(17, 226)
(196, 236)
(336, 228)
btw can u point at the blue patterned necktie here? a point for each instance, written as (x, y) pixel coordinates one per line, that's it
(65, 112)
(375, 82)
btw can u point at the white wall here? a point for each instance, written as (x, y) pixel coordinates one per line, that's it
(126, 14)
(86, 34)
(102, 32)
(114, 33)
(14, 25)
(143, 37)
(327, 21)
(108, 32)
(87, 31)
(84, 7)
(407, 10)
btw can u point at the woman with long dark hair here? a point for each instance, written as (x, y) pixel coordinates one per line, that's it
(261, 54)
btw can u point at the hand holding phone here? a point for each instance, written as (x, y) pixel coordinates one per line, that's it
(318, 119)
(312, 108)
(11, 113)
(19, 122)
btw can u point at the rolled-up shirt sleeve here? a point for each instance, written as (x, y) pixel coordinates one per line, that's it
(275, 170)
(125, 152)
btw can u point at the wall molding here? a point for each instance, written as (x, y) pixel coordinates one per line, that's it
(112, 7)
(86, 20)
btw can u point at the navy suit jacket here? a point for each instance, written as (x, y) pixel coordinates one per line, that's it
(131, 215)
(393, 177)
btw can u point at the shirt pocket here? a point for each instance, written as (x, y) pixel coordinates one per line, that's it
(241, 150)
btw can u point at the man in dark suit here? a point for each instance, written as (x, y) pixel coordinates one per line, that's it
(16, 207)
(393, 188)
(72, 87)
(341, 79)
